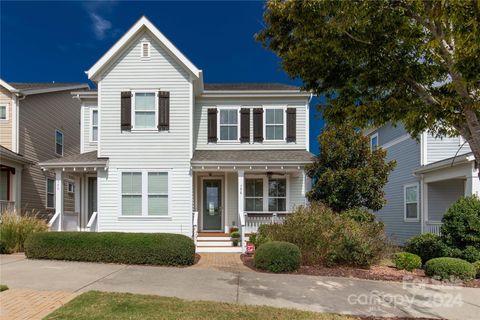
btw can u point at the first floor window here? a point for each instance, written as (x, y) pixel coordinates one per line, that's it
(254, 194)
(274, 121)
(145, 110)
(59, 142)
(144, 193)
(411, 202)
(94, 133)
(277, 195)
(3, 112)
(50, 193)
(228, 124)
(4, 184)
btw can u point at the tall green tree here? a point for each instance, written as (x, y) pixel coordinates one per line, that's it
(348, 174)
(413, 61)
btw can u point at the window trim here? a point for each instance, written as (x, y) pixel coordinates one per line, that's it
(141, 49)
(219, 110)
(92, 110)
(417, 186)
(6, 112)
(134, 107)
(263, 192)
(144, 212)
(265, 108)
(72, 184)
(266, 178)
(63, 142)
(46, 193)
(375, 135)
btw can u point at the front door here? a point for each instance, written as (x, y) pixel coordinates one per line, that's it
(92, 196)
(212, 205)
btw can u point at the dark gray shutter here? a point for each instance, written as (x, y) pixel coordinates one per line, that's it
(126, 110)
(245, 125)
(163, 110)
(291, 124)
(258, 125)
(212, 125)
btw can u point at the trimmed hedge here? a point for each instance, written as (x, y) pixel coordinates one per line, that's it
(407, 261)
(461, 224)
(427, 246)
(112, 247)
(447, 268)
(278, 256)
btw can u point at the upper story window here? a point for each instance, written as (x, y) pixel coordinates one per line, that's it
(3, 113)
(411, 202)
(145, 49)
(229, 124)
(59, 142)
(94, 126)
(145, 111)
(274, 124)
(50, 193)
(374, 141)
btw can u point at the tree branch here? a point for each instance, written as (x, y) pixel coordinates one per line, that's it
(422, 92)
(356, 39)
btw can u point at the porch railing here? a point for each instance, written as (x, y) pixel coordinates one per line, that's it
(195, 226)
(92, 224)
(54, 223)
(254, 220)
(433, 227)
(6, 206)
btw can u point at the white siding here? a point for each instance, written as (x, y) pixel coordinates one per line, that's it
(87, 145)
(200, 123)
(296, 192)
(439, 149)
(160, 150)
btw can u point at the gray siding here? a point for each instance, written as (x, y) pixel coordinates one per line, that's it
(389, 132)
(39, 116)
(441, 195)
(444, 148)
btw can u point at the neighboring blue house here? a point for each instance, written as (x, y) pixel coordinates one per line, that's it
(427, 180)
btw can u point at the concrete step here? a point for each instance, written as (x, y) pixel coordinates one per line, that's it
(219, 249)
(213, 238)
(214, 244)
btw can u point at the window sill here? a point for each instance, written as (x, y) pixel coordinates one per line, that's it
(144, 218)
(411, 220)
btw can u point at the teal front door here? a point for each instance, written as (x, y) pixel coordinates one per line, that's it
(212, 205)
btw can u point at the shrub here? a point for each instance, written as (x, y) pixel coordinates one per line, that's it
(15, 228)
(257, 238)
(461, 223)
(278, 256)
(359, 215)
(235, 235)
(3, 287)
(328, 238)
(407, 261)
(427, 246)
(113, 247)
(476, 264)
(448, 268)
(471, 254)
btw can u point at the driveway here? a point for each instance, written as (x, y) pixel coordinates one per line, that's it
(323, 294)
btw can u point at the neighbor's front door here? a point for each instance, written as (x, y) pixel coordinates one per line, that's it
(212, 205)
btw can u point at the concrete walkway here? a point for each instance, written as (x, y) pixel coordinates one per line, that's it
(323, 294)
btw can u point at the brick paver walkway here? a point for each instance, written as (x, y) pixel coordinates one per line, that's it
(228, 262)
(31, 304)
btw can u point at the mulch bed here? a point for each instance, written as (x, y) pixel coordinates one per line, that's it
(377, 272)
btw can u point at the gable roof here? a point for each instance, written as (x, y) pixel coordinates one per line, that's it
(6, 153)
(120, 44)
(248, 86)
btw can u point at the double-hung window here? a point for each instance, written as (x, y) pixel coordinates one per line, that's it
(374, 141)
(277, 194)
(411, 202)
(144, 193)
(59, 142)
(50, 193)
(254, 195)
(94, 126)
(228, 124)
(3, 113)
(274, 124)
(145, 111)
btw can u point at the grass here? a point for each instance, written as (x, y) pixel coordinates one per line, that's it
(101, 305)
(3, 287)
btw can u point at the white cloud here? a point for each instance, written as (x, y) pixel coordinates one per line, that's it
(100, 25)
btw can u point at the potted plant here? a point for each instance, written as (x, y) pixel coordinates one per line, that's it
(235, 236)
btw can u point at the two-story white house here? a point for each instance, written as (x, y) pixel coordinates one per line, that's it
(162, 151)
(431, 174)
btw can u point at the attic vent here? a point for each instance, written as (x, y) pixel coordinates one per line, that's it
(145, 50)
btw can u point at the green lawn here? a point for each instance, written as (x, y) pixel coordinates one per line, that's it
(100, 305)
(3, 287)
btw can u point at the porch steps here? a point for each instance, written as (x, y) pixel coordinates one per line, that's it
(215, 242)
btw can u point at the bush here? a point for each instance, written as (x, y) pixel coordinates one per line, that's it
(359, 215)
(112, 247)
(278, 256)
(407, 261)
(476, 264)
(327, 238)
(3, 287)
(15, 228)
(471, 254)
(461, 223)
(235, 235)
(427, 246)
(448, 268)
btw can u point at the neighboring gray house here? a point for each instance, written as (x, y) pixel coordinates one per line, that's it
(161, 151)
(38, 121)
(428, 178)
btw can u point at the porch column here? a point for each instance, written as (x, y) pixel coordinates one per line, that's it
(241, 201)
(59, 196)
(77, 190)
(472, 186)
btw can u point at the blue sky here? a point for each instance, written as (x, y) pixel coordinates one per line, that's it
(58, 41)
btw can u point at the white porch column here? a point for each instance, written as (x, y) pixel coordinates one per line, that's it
(77, 194)
(241, 202)
(59, 197)
(472, 185)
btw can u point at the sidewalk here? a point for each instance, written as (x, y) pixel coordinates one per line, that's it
(322, 294)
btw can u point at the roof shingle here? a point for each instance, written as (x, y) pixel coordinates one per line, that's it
(43, 85)
(252, 156)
